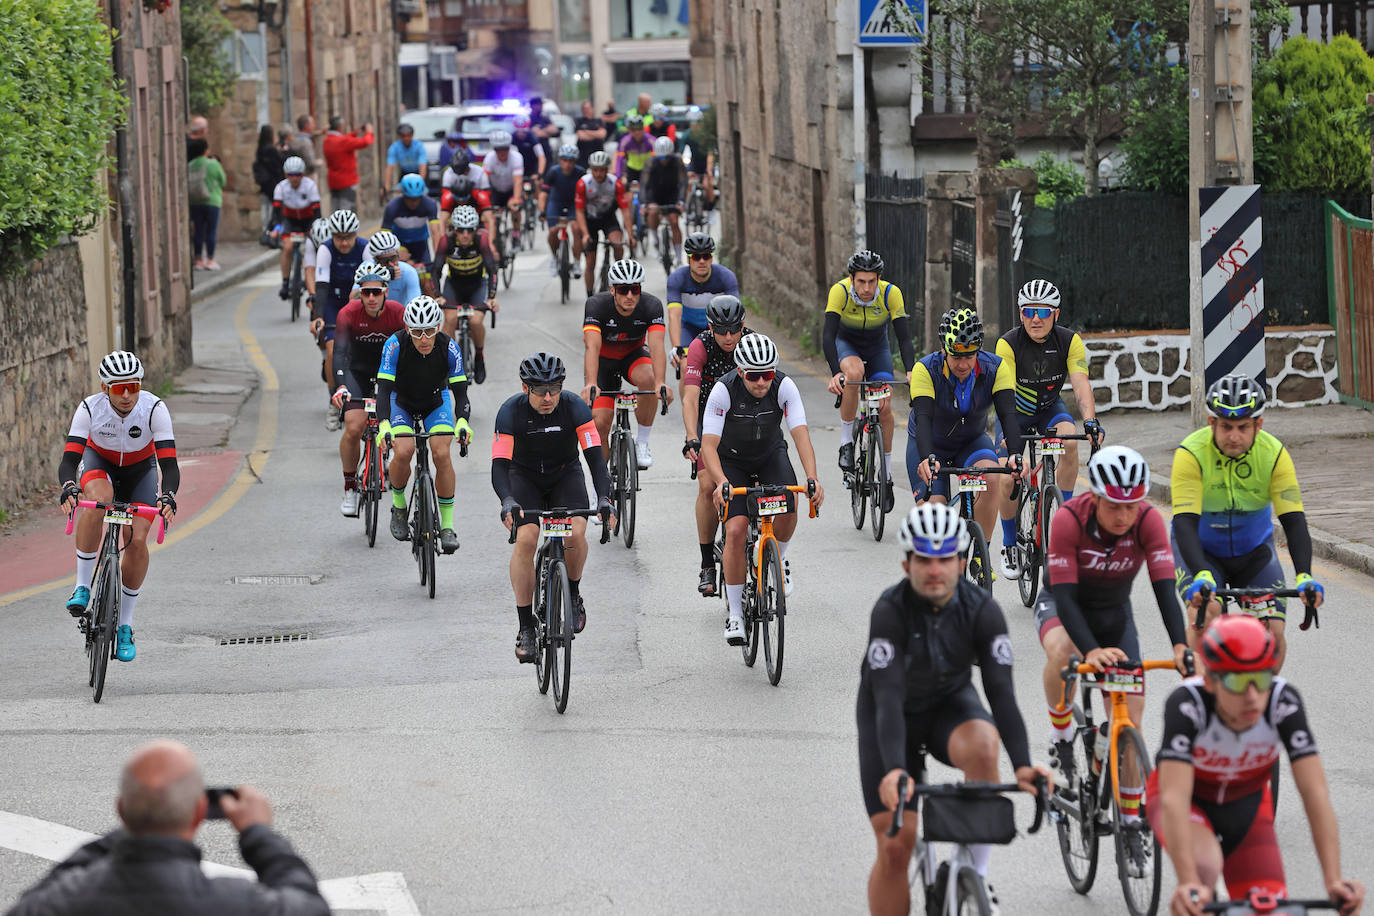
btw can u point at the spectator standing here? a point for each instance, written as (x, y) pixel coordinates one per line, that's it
(404, 156)
(205, 183)
(197, 129)
(267, 172)
(341, 161)
(152, 864)
(303, 143)
(591, 133)
(543, 127)
(448, 148)
(611, 119)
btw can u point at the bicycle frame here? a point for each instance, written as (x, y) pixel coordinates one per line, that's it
(764, 523)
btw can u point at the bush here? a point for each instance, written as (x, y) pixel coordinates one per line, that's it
(1056, 179)
(58, 109)
(203, 33)
(1156, 140)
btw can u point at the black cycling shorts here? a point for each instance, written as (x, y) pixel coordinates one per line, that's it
(775, 469)
(610, 370)
(602, 225)
(467, 293)
(133, 483)
(1127, 639)
(566, 489)
(926, 732)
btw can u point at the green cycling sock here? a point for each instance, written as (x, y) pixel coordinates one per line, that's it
(398, 497)
(445, 512)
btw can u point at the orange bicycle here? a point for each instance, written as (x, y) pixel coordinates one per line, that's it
(765, 598)
(1087, 802)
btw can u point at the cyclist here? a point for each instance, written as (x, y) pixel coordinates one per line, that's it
(295, 205)
(710, 356)
(530, 149)
(1042, 354)
(335, 264)
(557, 200)
(634, 150)
(742, 445)
(468, 264)
(414, 218)
(319, 234)
(700, 168)
(951, 391)
(916, 693)
(421, 375)
(665, 185)
(658, 125)
(1098, 542)
(363, 327)
(477, 193)
(1226, 477)
(690, 288)
(858, 312)
(596, 200)
(534, 465)
(622, 336)
(385, 249)
(1209, 800)
(506, 174)
(118, 442)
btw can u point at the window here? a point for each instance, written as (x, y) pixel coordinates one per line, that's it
(668, 81)
(247, 55)
(649, 18)
(574, 20)
(577, 77)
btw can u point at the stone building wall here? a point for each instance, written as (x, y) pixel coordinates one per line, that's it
(44, 369)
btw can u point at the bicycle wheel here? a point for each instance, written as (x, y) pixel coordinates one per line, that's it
(559, 612)
(877, 480)
(772, 611)
(424, 534)
(103, 622)
(629, 478)
(979, 569)
(542, 670)
(369, 491)
(858, 493)
(1140, 889)
(1050, 500)
(1033, 550)
(465, 347)
(973, 894)
(750, 649)
(1076, 821)
(297, 284)
(507, 257)
(564, 269)
(694, 212)
(665, 246)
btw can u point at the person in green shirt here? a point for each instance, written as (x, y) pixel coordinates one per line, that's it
(205, 190)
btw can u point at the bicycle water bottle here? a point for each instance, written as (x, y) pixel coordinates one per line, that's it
(1100, 748)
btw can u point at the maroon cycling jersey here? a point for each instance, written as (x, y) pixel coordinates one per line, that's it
(1229, 765)
(1101, 565)
(621, 334)
(358, 341)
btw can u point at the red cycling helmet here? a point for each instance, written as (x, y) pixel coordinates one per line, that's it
(1238, 643)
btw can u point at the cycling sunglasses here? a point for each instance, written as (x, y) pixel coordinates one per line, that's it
(1043, 312)
(369, 291)
(1234, 411)
(764, 376)
(1239, 681)
(626, 288)
(387, 260)
(425, 333)
(704, 256)
(545, 391)
(124, 389)
(732, 329)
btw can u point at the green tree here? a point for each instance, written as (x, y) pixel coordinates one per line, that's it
(204, 31)
(59, 107)
(1056, 179)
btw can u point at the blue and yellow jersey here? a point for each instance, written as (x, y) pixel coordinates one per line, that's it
(961, 408)
(1041, 367)
(1233, 496)
(863, 323)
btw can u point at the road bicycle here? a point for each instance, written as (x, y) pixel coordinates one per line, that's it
(665, 241)
(296, 276)
(971, 481)
(424, 503)
(623, 461)
(607, 253)
(529, 217)
(564, 260)
(697, 218)
(371, 476)
(765, 594)
(962, 813)
(1038, 500)
(641, 225)
(553, 604)
(867, 481)
(1261, 903)
(101, 619)
(505, 247)
(1087, 801)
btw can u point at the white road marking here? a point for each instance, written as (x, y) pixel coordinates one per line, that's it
(384, 892)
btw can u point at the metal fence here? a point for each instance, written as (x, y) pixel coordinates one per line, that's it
(1349, 266)
(895, 208)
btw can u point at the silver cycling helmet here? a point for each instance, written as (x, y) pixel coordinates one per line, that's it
(755, 353)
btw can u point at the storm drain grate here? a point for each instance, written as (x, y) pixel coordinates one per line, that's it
(263, 640)
(312, 579)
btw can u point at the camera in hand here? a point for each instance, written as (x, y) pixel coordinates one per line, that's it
(213, 795)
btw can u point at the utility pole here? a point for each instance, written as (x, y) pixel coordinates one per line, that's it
(1220, 137)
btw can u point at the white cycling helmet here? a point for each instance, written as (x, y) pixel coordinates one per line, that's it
(319, 231)
(464, 217)
(658, 109)
(423, 312)
(567, 151)
(933, 530)
(120, 366)
(1038, 292)
(385, 243)
(664, 146)
(599, 159)
(1119, 474)
(294, 165)
(694, 115)
(342, 222)
(755, 353)
(371, 270)
(499, 139)
(626, 270)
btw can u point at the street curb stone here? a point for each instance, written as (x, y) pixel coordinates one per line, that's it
(227, 278)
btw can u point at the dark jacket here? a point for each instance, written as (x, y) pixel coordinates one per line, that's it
(119, 874)
(267, 168)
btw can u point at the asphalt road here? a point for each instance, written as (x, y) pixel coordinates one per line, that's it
(402, 736)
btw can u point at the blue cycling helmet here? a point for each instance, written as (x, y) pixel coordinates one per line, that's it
(413, 185)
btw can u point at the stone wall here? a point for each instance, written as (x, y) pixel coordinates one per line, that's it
(1152, 371)
(44, 369)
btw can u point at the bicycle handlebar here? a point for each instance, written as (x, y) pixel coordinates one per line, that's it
(1308, 596)
(564, 513)
(148, 512)
(861, 385)
(969, 789)
(462, 443)
(1260, 902)
(661, 394)
(974, 470)
(769, 489)
(1077, 666)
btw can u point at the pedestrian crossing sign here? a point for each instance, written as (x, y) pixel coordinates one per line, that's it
(881, 25)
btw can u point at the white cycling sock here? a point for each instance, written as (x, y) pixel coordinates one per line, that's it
(126, 607)
(982, 854)
(85, 567)
(642, 435)
(846, 432)
(734, 596)
(782, 549)
(887, 464)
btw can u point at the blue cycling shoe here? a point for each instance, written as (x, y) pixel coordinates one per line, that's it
(124, 643)
(76, 604)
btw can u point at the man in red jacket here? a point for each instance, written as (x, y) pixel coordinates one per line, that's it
(341, 161)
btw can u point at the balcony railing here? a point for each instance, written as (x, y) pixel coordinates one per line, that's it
(496, 14)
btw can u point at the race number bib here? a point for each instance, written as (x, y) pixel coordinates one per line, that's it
(1260, 606)
(118, 517)
(556, 527)
(973, 483)
(772, 505)
(370, 405)
(467, 311)
(878, 393)
(1123, 680)
(626, 401)
(1052, 446)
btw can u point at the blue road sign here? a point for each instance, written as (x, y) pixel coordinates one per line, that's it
(880, 27)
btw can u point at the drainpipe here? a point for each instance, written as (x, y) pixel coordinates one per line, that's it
(309, 59)
(124, 182)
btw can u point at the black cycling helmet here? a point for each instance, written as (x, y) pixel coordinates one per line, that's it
(542, 369)
(699, 243)
(866, 260)
(460, 161)
(961, 331)
(725, 313)
(462, 186)
(1235, 397)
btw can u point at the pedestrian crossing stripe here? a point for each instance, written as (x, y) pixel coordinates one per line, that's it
(881, 26)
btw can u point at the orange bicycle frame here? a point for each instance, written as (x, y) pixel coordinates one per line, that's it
(765, 524)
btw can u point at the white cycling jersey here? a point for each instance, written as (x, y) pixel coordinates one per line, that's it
(503, 175)
(124, 440)
(297, 203)
(475, 172)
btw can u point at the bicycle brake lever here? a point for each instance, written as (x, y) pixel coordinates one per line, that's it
(1310, 619)
(1041, 804)
(462, 448)
(663, 399)
(895, 827)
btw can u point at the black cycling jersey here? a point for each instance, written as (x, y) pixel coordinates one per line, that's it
(753, 426)
(467, 264)
(665, 179)
(620, 334)
(1041, 366)
(418, 380)
(918, 656)
(544, 445)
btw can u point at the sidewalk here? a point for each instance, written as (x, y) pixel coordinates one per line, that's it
(237, 260)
